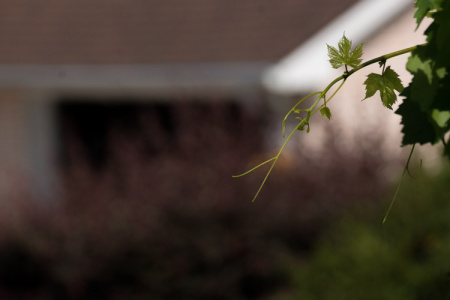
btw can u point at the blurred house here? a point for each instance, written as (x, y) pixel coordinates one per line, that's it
(77, 58)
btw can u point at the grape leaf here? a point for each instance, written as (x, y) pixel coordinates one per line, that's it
(424, 7)
(421, 124)
(440, 38)
(386, 83)
(441, 101)
(417, 126)
(441, 118)
(420, 60)
(325, 111)
(344, 56)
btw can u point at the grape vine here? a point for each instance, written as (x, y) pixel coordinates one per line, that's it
(425, 109)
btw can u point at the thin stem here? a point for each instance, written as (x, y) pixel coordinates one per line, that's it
(254, 168)
(384, 57)
(326, 90)
(329, 99)
(275, 159)
(406, 169)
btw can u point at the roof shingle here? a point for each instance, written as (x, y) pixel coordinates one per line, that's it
(158, 31)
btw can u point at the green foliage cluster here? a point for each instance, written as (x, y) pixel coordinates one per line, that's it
(425, 110)
(357, 260)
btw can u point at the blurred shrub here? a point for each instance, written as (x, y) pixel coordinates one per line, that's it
(117, 249)
(408, 258)
(161, 218)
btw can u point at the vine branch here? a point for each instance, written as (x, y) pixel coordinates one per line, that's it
(312, 110)
(405, 170)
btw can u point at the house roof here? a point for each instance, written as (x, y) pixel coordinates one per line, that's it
(158, 31)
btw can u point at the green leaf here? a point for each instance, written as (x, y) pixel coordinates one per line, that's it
(335, 58)
(355, 56)
(419, 60)
(344, 56)
(325, 111)
(441, 117)
(417, 125)
(440, 36)
(424, 7)
(441, 95)
(386, 83)
(440, 120)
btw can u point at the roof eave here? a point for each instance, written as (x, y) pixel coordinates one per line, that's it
(165, 78)
(307, 67)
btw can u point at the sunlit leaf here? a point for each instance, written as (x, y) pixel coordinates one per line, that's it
(344, 56)
(385, 83)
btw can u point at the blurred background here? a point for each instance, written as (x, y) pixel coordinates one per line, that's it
(121, 123)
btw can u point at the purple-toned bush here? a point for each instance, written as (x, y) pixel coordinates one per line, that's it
(161, 217)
